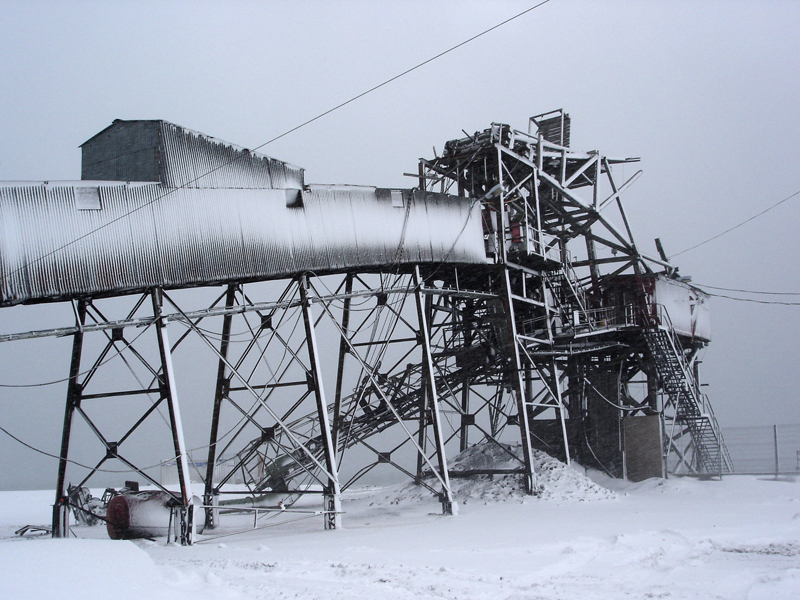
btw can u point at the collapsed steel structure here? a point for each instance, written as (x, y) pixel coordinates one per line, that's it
(497, 301)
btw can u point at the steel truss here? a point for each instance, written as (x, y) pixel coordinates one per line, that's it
(411, 357)
(411, 354)
(88, 392)
(333, 376)
(577, 349)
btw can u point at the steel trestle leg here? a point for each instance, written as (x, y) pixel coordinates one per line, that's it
(449, 505)
(529, 477)
(61, 506)
(220, 393)
(333, 502)
(170, 392)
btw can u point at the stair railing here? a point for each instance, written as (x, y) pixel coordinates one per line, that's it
(700, 400)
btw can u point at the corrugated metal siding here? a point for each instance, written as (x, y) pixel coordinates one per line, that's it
(192, 159)
(179, 157)
(187, 237)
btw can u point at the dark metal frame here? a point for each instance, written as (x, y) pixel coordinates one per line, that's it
(162, 386)
(524, 341)
(535, 221)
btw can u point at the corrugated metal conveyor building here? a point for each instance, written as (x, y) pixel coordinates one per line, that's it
(163, 206)
(518, 312)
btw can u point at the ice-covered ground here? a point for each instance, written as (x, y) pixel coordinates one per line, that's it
(601, 539)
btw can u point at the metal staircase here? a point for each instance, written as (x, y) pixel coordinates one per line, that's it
(688, 408)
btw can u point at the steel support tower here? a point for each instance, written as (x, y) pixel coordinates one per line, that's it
(502, 301)
(588, 320)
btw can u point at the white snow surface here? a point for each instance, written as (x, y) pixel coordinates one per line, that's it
(679, 538)
(555, 481)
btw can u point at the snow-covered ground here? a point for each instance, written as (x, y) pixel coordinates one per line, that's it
(600, 539)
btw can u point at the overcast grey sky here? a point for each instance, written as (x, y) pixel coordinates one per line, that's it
(705, 92)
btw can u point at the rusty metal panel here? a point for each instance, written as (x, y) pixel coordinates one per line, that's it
(147, 235)
(556, 129)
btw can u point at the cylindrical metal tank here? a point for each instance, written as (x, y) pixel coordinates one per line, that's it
(144, 515)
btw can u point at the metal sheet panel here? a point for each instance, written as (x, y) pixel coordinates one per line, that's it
(159, 151)
(147, 235)
(643, 447)
(193, 159)
(686, 306)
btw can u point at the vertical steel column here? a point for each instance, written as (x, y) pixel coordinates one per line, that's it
(424, 421)
(449, 505)
(333, 500)
(529, 482)
(518, 385)
(170, 392)
(591, 249)
(777, 455)
(220, 393)
(74, 390)
(466, 418)
(652, 390)
(561, 410)
(343, 348)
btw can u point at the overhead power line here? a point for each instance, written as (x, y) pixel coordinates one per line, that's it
(27, 445)
(404, 73)
(98, 470)
(753, 300)
(82, 373)
(724, 289)
(711, 239)
(282, 135)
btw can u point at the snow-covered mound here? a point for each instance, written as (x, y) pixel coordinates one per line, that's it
(554, 479)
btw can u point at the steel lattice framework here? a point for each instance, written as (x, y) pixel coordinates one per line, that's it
(510, 302)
